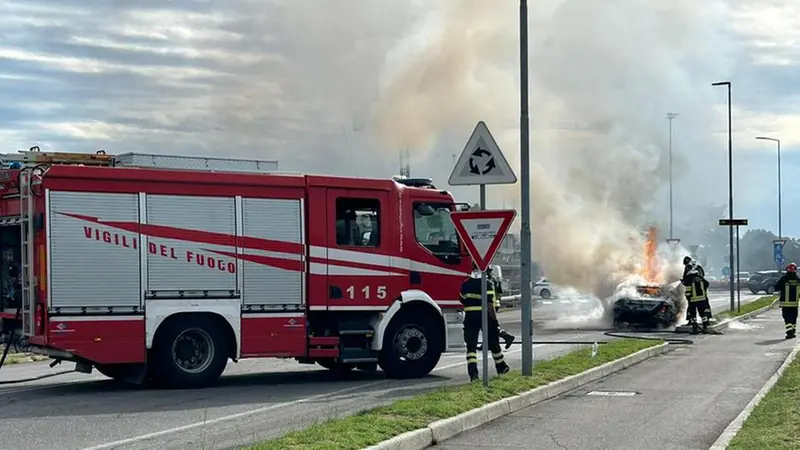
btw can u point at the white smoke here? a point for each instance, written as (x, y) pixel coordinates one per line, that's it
(603, 77)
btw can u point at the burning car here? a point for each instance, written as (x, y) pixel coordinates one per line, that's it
(648, 299)
(647, 307)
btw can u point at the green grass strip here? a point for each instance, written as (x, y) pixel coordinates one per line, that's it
(775, 423)
(19, 358)
(376, 425)
(752, 306)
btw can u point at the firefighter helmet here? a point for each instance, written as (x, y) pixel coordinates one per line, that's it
(791, 267)
(687, 260)
(476, 272)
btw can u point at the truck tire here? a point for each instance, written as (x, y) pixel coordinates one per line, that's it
(412, 346)
(545, 293)
(753, 291)
(770, 290)
(190, 352)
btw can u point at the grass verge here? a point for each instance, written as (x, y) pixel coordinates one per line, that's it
(19, 358)
(775, 423)
(750, 307)
(376, 425)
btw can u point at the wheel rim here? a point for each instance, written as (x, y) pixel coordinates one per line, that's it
(410, 343)
(193, 350)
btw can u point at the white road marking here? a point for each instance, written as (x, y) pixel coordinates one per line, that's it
(190, 426)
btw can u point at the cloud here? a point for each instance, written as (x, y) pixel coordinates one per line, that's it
(341, 87)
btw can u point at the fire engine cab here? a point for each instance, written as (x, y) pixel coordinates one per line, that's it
(148, 268)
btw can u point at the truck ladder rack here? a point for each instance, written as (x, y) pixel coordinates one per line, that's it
(27, 178)
(35, 157)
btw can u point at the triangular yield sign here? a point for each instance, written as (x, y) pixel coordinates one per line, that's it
(482, 232)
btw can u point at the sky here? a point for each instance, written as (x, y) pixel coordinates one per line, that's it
(343, 86)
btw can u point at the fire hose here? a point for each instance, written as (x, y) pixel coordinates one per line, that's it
(638, 334)
(12, 339)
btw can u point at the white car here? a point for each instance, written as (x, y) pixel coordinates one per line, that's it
(543, 288)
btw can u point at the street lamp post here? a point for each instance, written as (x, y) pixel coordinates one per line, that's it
(780, 214)
(730, 188)
(670, 116)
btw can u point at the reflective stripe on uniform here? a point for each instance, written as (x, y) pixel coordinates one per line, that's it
(791, 295)
(473, 308)
(475, 296)
(498, 357)
(697, 292)
(472, 357)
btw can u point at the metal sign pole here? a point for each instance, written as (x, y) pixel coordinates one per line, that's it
(485, 309)
(738, 271)
(525, 197)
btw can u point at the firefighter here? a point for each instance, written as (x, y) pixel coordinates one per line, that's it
(470, 296)
(696, 295)
(789, 287)
(495, 290)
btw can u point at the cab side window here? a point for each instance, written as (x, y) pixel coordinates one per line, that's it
(358, 222)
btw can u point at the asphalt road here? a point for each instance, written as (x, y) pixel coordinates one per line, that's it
(255, 400)
(681, 400)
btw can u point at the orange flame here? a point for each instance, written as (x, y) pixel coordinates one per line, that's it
(650, 270)
(653, 291)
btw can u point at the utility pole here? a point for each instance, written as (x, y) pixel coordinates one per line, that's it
(525, 196)
(730, 190)
(780, 213)
(670, 116)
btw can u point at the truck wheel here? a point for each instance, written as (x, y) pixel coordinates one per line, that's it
(545, 293)
(336, 367)
(412, 346)
(769, 290)
(189, 353)
(754, 291)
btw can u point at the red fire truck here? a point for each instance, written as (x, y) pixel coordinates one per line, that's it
(153, 273)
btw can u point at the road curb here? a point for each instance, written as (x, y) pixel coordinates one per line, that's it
(730, 431)
(723, 325)
(444, 429)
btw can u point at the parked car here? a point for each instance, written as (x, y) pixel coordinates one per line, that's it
(763, 280)
(740, 277)
(543, 288)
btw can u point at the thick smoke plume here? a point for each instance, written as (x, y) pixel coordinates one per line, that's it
(603, 76)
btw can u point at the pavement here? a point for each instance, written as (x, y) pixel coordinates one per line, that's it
(256, 400)
(681, 400)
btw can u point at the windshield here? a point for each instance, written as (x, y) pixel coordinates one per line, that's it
(434, 229)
